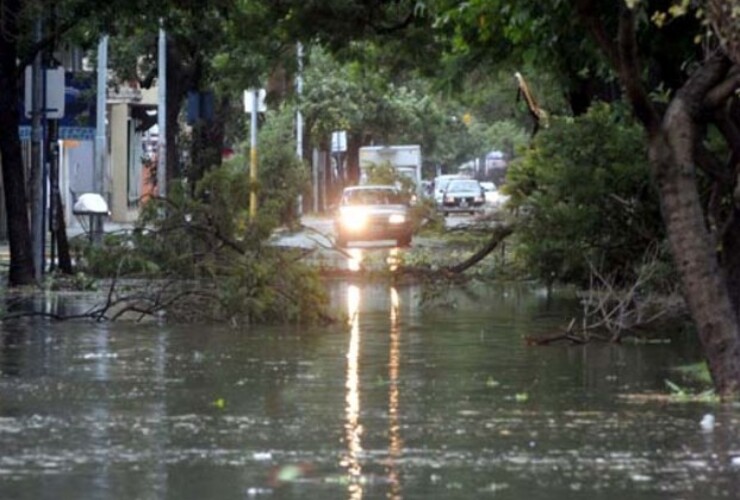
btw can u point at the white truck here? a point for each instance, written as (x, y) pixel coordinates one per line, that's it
(405, 159)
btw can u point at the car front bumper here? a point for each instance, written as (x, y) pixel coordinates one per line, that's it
(461, 206)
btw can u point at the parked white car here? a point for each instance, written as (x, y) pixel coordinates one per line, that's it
(494, 197)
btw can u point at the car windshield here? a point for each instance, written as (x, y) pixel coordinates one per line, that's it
(464, 186)
(442, 183)
(372, 197)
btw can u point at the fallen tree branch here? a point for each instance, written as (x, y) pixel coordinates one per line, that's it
(499, 234)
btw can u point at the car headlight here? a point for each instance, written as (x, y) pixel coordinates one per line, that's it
(353, 219)
(396, 219)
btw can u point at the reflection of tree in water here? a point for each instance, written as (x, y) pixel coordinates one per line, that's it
(11, 353)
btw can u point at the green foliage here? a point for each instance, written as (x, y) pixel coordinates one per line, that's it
(584, 193)
(506, 136)
(282, 175)
(697, 372)
(363, 98)
(113, 258)
(681, 394)
(375, 105)
(271, 286)
(385, 174)
(424, 215)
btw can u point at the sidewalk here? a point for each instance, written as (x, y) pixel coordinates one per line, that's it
(72, 232)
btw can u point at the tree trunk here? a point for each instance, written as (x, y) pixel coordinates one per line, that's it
(64, 255)
(704, 287)
(354, 142)
(178, 83)
(672, 159)
(21, 257)
(731, 258)
(207, 143)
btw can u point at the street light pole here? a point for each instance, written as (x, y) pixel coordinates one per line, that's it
(101, 142)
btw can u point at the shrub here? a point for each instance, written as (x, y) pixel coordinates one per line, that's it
(584, 193)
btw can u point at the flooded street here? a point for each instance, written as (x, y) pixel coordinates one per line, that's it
(403, 401)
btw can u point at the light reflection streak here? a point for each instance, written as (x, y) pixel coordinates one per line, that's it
(393, 260)
(355, 262)
(395, 445)
(352, 427)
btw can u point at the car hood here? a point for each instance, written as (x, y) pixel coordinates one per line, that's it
(375, 209)
(454, 192)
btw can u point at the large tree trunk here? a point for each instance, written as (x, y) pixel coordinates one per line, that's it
(21, 258)
(178, 83)
(207, 143)
(672, 140)
(695, 255)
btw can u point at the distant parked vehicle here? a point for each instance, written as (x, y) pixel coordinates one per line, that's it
(371, 213)
(440, 184)
(488, 186)
(463, 195)
(493, 196)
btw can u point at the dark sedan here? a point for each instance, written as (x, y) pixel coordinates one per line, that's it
(372, 213)
(463, 195)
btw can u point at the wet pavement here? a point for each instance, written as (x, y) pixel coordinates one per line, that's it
(414, 396)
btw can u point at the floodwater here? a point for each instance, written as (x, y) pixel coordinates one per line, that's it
(444, 401)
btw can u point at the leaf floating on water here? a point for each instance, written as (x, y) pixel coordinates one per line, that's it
(521, 397)
(256, 491)
(675, 388)
(708, 396)
(220, 403)
(494, 488)
(288, 473)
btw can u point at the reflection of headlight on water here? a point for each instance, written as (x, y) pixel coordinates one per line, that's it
(354, 219)
(397, 219)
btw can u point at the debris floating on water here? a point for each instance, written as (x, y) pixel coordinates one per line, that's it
(707, 422)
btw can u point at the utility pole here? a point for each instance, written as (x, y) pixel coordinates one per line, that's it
(299, 117)
(299, 92)
(52, 152)
(253, 155)
(162, 113)
(101, 142)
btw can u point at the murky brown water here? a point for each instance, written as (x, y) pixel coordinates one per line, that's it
(445, 402)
